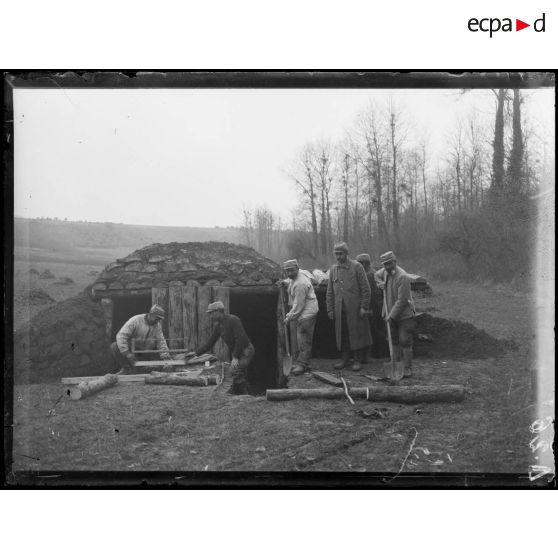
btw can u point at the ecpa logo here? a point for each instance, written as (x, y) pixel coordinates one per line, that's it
(492, 25)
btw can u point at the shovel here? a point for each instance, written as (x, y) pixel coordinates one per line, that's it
(395, 369)
(287, 359)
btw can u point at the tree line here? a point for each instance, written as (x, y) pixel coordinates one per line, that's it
(382, 187)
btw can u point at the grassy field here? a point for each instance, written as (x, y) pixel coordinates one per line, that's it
(34, 292)
(135, 427)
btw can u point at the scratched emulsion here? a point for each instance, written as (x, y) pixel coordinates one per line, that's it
(542, 428)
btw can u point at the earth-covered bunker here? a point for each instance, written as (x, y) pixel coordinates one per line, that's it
(184, 278)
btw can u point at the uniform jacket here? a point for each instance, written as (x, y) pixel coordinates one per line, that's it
(347, 285)
(399, 300)
(146, 336)
(302, 298)
(232, 332)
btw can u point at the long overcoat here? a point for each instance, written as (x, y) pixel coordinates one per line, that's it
(348, 284)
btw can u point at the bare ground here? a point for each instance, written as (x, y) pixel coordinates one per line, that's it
(139, 427)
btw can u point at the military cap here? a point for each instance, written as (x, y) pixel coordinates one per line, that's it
(214, 306)
(156, 310)
(341, 247)
(387, 257)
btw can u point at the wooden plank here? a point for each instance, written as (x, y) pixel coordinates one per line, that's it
(122, 378)
(281, 379)
(107, 306)
(173, 362)
(221, 350)
(160, 296)
(204, 321)
(327, 378)
(157, 351)
(176, 337)
(190, 316)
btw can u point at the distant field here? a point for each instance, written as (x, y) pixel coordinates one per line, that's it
(32, 290)
(79, 251)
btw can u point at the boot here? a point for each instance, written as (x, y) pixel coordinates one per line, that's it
(408, 360)
(298, 370)
(366, 354)
(357, 358)
(345, 359)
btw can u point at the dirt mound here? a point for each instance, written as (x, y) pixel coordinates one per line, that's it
(64, 281)
(65, 339)
(438, 337)
(47, 274)
(39, 296)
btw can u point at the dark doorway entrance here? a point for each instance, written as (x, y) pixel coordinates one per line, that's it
(257, 310)
(125, 308)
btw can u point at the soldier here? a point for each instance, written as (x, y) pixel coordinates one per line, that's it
(348, 298)
(146, 331)
(230, 329)
(379, 346)
(302, 315)
(396, 284)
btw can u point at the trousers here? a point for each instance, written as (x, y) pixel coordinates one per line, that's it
(304, 337)
(240, 373)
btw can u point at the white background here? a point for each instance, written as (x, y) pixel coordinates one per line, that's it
(299, 34)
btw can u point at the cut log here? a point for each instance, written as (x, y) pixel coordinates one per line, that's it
(178, 380)
(202, 358)
(85, 389)
(121, 379)
(327, 378)
(395, 394)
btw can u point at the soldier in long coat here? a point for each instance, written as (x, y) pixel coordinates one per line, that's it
(348, 298)
(378, 331)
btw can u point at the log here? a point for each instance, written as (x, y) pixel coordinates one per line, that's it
(176, 338)
(178, 380)
(190, 316)
(85, 389)
(394, 394)
(202, 359)
(327, 378)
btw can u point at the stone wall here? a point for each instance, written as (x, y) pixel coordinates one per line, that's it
(67, 339)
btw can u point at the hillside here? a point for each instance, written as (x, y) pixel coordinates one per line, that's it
(69, 236)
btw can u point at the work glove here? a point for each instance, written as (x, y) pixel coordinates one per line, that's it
(131, 359)
(234, 363)
(331, 315)
(362, 312)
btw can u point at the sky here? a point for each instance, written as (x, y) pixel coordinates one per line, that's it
(196, 157)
